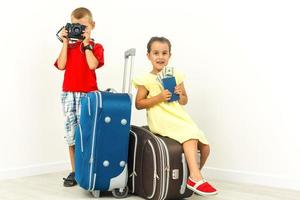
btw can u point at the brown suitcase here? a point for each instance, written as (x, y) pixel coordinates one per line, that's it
(157, 166)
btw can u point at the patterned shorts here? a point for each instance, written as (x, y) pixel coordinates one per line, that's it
(71, 110)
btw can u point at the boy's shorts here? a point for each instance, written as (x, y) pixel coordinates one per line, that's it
(71, 110)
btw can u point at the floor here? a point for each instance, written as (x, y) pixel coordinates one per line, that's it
(49, 186)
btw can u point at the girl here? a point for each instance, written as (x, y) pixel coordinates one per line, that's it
(169, 118)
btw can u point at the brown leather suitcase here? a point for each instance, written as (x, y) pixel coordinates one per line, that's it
(157, 166)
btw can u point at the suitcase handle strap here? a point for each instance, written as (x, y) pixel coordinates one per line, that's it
(185, 174)
(129, 54)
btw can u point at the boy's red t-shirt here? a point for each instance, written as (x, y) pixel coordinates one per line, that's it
(78, 76)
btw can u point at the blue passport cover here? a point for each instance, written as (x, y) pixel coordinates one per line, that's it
(169, 83)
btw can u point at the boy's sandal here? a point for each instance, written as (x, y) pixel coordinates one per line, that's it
(201, 187)
(70, 180)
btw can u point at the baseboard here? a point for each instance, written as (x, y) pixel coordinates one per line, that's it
(209, 172)
(251, 178)
(33, 170)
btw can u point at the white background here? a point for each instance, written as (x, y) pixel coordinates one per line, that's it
(241, 60)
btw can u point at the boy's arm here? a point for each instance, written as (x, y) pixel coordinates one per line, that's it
(90, 57)
(179, 89)
(62, 58)
(142, 102)
(91, 60)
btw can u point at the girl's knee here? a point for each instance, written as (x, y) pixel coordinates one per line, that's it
(204, 149)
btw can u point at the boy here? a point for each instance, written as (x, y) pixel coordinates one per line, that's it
(79, 60)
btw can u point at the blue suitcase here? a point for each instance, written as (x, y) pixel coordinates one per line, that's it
(102, 138)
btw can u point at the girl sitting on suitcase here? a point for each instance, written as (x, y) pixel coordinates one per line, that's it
(169, 118)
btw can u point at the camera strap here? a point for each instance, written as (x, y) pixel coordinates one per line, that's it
(57, 34)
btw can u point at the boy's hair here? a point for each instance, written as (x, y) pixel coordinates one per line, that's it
(81, 12)
(158, 39)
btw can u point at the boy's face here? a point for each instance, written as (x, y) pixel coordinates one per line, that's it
(84, 21)
(159, 55)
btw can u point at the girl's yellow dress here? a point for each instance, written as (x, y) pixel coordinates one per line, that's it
(168, 119)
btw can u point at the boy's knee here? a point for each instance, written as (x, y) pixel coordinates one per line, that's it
(70, 141)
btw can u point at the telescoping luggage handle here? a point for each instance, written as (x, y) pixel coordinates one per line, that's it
(129, 54)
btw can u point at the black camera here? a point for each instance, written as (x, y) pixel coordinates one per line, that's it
(75, 30)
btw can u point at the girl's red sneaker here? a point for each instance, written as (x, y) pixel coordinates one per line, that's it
(201, 187)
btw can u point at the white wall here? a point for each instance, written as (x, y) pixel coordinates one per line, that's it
(241, 59)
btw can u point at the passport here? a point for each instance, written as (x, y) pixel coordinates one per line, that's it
(169, 83)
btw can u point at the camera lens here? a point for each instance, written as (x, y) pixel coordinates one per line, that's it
(77, 30)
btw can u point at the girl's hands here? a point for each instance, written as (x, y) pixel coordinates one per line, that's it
(165, 95)
(178, 90)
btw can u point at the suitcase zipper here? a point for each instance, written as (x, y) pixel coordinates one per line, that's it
(162, 177)
(100, 100)
(166, 169)
(163, 164)
(89, 105)
(155, 176)
(93, 141)
(133, 174)
(81, 142)
(94, 182)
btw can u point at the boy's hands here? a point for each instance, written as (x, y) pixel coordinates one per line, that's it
(165, 95)
(87, 36)
(64, 36)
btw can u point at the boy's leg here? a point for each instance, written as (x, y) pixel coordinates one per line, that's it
(72, 155)
(75, 117)
(69, 106)
(70, 181)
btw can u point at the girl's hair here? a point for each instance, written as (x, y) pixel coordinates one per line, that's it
(81, 12)
(158, 39)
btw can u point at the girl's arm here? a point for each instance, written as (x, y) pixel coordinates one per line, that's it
(179, 89)
(142, 102)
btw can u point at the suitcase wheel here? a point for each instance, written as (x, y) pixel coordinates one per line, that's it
(96, 193)
(120, 192)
